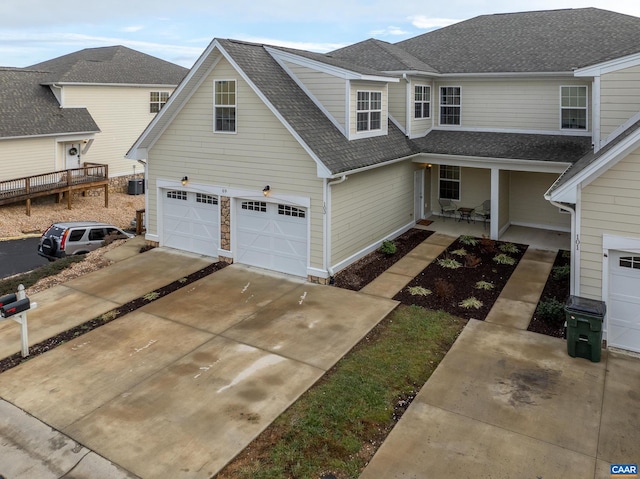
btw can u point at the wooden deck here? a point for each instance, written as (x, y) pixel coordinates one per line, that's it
(60, 183)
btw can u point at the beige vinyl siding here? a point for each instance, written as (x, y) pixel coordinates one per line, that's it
(262, 152)
(122, 113)
(420, 126)
(329, 90)
(528, 205)
(609, 205)
(369, 206)
(619, 98)
(355, 87)
(398, 103)
(510, 104)
(28, 156)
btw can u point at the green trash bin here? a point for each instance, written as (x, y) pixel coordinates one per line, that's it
(584, 327)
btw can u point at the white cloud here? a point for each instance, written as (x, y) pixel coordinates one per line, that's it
(133, 28)
(391, 30)
(424, 22)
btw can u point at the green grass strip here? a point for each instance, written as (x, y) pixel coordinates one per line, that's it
(352, 408)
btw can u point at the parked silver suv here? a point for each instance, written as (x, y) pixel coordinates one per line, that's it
(66, 239)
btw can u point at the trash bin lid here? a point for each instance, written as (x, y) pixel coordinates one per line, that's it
(576, 304)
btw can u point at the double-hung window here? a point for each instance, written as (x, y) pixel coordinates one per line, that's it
(224, 106)
(573, 107)
(369, 111)
(422, 101)
(450, 108)
(449, 180)
(157, 99)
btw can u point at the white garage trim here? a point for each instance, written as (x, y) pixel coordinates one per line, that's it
(621, 291)
(271, 234)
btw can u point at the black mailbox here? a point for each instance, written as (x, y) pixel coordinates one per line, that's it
(8, 298)
(8, 310)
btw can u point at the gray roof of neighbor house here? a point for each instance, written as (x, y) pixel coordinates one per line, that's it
(336, 152)
(115, 64)
(27, 108)
(526, 42)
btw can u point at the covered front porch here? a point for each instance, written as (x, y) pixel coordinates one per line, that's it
(534, 237)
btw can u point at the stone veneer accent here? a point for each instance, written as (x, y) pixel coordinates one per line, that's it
(225, 223)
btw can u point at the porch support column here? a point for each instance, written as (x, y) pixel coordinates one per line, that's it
(494, 224)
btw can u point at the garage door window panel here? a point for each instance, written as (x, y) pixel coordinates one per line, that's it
(632, 262)
(260, 206)
(287, 210)
(177, 195)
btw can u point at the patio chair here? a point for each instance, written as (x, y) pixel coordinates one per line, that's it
(447, 207)
(483, 211)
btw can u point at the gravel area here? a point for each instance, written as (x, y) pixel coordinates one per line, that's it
(15, 223)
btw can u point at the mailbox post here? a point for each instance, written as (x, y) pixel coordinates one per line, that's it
(15, 306)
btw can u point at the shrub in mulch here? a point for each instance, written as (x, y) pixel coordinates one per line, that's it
(466, 279)
(549, 316)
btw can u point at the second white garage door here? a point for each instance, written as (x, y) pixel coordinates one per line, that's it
(623, 308)
(190, 222)
(272, 236)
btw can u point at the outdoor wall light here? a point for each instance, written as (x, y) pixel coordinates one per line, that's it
(266, 190)
(185, 180)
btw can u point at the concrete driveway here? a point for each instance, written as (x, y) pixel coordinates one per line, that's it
(180, 386)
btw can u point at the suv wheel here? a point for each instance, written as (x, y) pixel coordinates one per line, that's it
(49, 246)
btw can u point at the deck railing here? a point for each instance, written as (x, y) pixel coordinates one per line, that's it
(91, 175)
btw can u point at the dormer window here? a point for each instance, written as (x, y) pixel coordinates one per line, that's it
(369, 110)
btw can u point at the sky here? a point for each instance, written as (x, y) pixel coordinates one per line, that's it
(32, 31)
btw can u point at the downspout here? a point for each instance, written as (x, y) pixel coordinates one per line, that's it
(574, 241)
(407, 107)
(327, 242)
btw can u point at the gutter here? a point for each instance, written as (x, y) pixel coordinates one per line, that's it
(327, 242)
(574, 241)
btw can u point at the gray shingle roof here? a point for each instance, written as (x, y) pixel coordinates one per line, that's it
(115, 64)
(543, 41)
(591, 157)
(383, 56)
(505, 145)
(336, 152)
(28, 108)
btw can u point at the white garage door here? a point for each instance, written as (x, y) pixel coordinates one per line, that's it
(623, 308)
(190, 222)
(272, 236)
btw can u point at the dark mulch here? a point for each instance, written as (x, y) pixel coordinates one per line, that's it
(559, 289)
(362, 272)
(48, 344)
(451, 286)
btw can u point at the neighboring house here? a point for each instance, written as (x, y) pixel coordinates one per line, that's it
(88, 106)
(303, 163)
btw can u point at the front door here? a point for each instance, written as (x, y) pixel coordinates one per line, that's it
(418, 191)
(72, 152)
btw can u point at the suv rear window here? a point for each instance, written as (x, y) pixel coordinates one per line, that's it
(76, 235)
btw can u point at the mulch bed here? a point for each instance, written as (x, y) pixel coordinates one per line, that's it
(449, 287)
(65, 336)
(357, 275)
(553, 288)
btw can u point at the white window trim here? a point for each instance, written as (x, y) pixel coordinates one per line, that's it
(422, 85)
(440, 106)
(586, 108)
(160, 103)
(459, 181)
(215, 105)
(369, 111)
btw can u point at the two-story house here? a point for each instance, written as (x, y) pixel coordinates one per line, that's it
(303, 163)
(87, 106)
